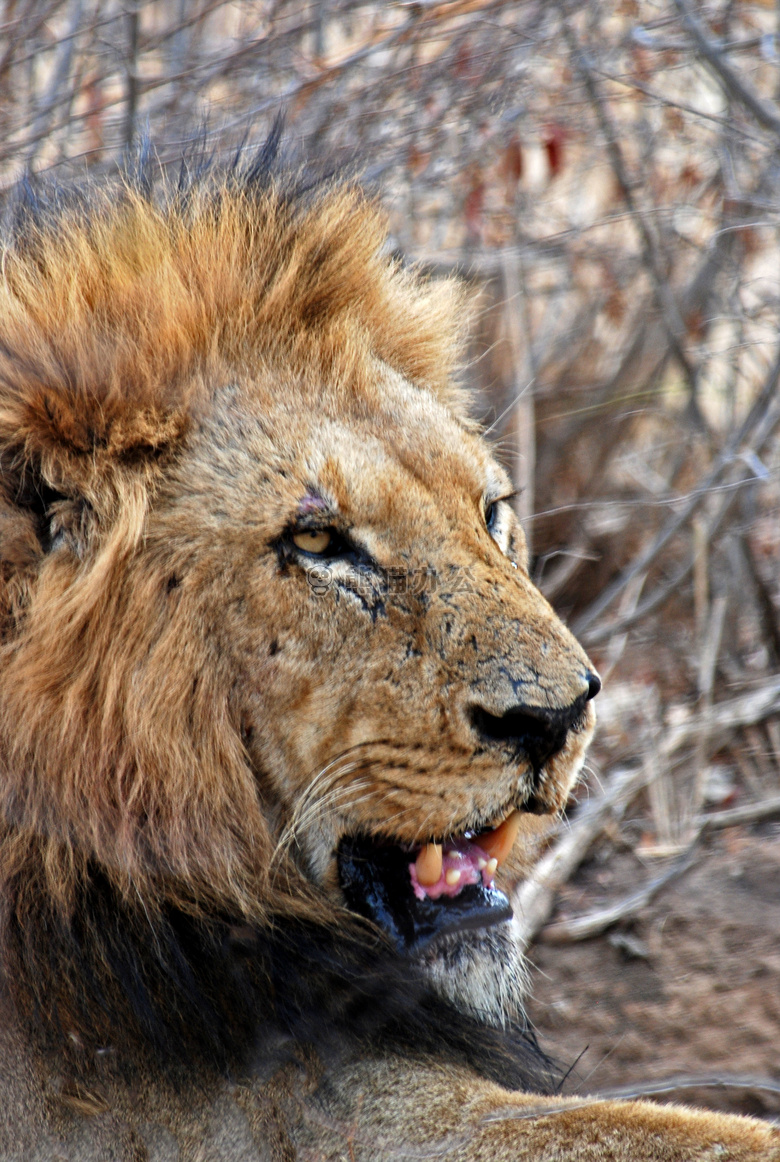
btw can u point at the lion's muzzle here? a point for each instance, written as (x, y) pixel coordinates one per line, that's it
(534, 733)
(419, 894)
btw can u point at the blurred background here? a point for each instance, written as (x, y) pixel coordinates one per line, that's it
(606, 177)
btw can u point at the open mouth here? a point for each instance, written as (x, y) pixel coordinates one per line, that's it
(420, 894)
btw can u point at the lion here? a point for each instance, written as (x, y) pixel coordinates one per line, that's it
(280, 707)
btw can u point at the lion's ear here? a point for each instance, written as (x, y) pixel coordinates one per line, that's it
(64, 454)
(99, 355)
(88, 425)
(23, 538)
(76, 464)
(35, 517)
(26, 503)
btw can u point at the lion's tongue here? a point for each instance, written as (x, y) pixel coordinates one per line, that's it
(446, 871)
(461, 862)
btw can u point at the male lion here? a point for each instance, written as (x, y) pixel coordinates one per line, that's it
(277, 698)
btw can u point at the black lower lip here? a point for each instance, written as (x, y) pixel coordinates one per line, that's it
(376, 884)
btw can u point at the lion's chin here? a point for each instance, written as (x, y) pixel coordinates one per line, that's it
(481, 972)
(464, 942)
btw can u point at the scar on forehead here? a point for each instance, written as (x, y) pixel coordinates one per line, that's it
(312, 502)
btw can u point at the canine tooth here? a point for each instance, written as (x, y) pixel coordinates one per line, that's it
(428, 864)
(491, 866)
(452, 877)
(498, 843)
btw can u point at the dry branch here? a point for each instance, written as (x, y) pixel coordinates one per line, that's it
(739, 816)
(669, 1085)
(658, 264)
(732, 468)
(534, 899)
(597, 921)
(714, 56)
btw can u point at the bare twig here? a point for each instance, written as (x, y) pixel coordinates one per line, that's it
(595, 922)
(599, 919)
(658, 268)
(738, 816)
(131, 73)
(534, 899)
(757, 426)
(523, 419)
(56, 91)
(757, 1085)
(736, 88)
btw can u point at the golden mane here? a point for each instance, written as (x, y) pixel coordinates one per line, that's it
(119, 313)
(134, 852)
(113, 310)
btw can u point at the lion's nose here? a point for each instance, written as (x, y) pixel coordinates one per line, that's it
(536, 732)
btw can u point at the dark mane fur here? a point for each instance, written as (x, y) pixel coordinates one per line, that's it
(197, 992)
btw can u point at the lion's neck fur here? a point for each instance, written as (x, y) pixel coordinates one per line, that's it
(160, 984)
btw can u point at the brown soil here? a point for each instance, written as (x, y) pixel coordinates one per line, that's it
(686, 991)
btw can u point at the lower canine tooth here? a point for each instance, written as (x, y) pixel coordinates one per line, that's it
(428, 864)
(498, 844)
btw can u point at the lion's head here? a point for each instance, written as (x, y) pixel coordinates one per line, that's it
(271, 659)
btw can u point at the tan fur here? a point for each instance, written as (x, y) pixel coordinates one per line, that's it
(193, 715)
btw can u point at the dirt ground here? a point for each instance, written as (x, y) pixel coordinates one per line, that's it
(683, 999)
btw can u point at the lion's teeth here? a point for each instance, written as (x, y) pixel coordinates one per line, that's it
(481, 863)
(452, 877)
(498, 844)
(491, 866)
(428, 864)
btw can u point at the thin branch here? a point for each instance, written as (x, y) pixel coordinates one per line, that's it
(691, 1081)
(131, 74)
(55, 92)
(737, 89)
(534, 898)
(670, 311)
(595, 922)
(727, 457)
(738, 816)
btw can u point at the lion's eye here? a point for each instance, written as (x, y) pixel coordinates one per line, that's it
(491, 515)
(318, 542)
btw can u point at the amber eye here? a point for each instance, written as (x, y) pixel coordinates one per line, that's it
(313, 542)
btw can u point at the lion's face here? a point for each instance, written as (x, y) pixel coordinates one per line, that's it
(397, 678)
(269, 644)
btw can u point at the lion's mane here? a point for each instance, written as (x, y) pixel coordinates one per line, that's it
(144, 901)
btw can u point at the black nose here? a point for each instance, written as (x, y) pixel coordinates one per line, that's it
(594, 685)
(534, 732)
